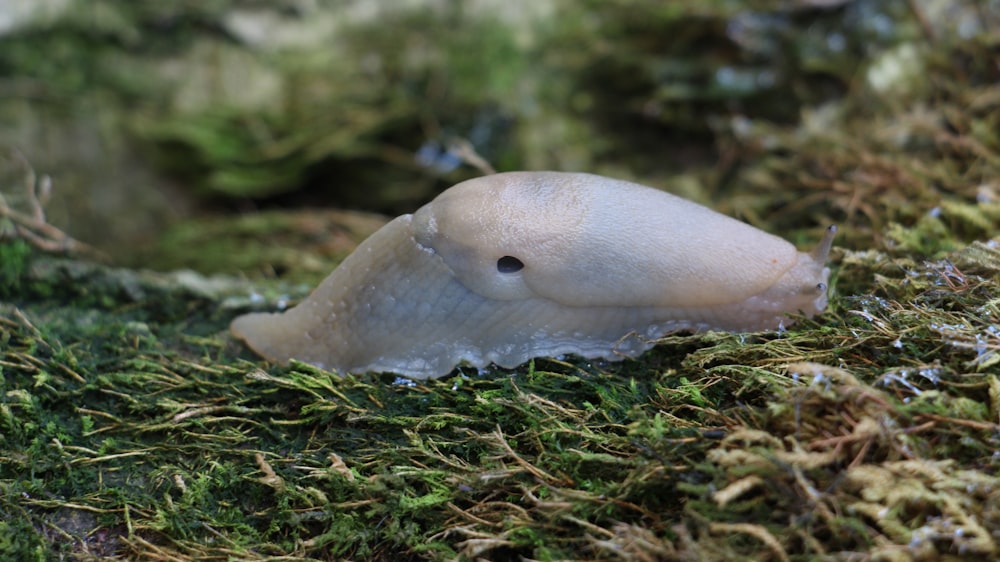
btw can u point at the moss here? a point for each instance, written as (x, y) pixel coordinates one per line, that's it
(14, 260)
(303, 246)
(562, 457)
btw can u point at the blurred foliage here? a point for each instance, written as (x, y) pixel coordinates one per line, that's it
(923, 156)
(87, 49)
(364, 117)
(348, 125)
(679, 65)
(304, 245)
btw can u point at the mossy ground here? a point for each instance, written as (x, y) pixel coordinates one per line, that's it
(133, 427)
(870, 430)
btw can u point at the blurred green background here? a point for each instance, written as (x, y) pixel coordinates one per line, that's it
(164, 125)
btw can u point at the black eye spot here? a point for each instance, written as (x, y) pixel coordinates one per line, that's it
(509, 264)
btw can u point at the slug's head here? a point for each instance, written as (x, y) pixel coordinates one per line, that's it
(585, 241)
(497, 239)
(803, 288)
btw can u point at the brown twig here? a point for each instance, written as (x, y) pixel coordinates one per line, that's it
(464, 150)
(925, 24)
(32, 226)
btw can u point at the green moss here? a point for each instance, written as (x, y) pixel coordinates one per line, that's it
(14, 260)
(303, 246)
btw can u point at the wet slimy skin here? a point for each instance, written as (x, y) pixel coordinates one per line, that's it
(503, 268)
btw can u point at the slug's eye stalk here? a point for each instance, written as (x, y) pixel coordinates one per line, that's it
(822, 250)
(509, 264)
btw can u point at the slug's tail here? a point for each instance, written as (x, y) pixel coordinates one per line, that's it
(259, 331)
(822, 250)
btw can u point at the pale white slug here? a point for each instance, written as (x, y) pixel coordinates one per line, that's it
(503, 268)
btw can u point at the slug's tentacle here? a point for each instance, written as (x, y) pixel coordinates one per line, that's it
(507, 267)
(822, 250)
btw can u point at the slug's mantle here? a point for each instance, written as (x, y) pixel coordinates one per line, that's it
(503, 268)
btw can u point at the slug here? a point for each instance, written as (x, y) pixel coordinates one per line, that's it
(507, 267)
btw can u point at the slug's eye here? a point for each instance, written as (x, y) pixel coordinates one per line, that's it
(509, 264)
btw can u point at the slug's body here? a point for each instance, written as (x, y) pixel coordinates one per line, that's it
(507, 267)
